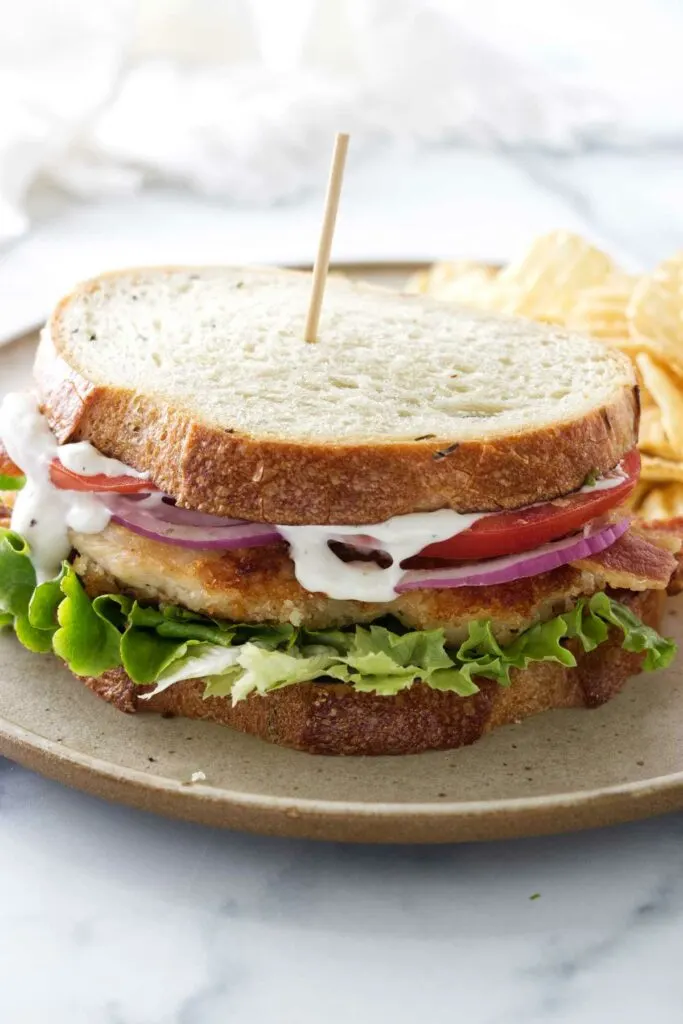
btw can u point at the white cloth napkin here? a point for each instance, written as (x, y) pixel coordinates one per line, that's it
(239, 98)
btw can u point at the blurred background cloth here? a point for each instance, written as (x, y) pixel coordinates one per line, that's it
(238, 99)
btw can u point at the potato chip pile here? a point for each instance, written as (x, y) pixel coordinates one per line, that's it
(562, 279)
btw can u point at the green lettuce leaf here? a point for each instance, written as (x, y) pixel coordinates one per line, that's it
(638, 637)
(541, 642)
(197, 661)
(221, 685)
(459, 680)
(264, 670)
(381, 661)
(37, 640)
(269, 636)
(36, 629)
(589, 629)
(87, 640)
(45, 600)
(163, 645)
(17, 575)
(145, 655)
(11, 483)
(17, 587)
(166, 622)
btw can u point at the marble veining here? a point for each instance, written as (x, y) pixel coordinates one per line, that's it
(112, 916)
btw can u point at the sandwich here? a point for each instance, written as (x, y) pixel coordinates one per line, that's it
(391, 540)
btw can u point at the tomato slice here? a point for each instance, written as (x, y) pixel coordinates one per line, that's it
(7, 467)
(67, 480)
(508, 533)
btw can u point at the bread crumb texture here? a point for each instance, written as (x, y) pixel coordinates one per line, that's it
(229, 342)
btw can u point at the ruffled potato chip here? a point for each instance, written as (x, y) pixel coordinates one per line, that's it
(655, 310)
(652, 438)
(601, 309)
(663, 502)
(659, 470)
(419, 282)
(465, 282)
(641, 489)
(668, 395)
(664, 352)
(546, 283)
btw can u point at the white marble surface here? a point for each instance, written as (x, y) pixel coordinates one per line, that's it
(110, 916)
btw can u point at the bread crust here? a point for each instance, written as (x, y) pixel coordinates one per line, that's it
(335, 719)
(287, 482)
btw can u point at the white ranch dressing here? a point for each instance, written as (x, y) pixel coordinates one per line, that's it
(604, 483)
(43, 513)
(82, 457)
(318, 569)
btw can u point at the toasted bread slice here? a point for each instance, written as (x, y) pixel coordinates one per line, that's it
(201, 376)
(333, 718)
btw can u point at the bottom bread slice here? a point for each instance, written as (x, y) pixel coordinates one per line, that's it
(333, 718)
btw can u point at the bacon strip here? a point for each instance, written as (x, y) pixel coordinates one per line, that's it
(634, 562)
(669, 532)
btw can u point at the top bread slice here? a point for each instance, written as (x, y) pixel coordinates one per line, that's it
(201, 376)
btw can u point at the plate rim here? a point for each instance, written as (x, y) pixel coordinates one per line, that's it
(351, 821)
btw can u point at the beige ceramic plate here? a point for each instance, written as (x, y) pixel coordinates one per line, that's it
(563, 770)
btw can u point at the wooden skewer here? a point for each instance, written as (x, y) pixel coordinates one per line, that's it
(322, 260)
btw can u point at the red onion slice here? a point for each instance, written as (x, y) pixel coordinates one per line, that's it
(234, 533)
(516, 567)
(164, 508)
